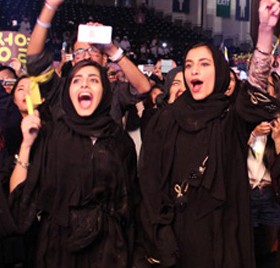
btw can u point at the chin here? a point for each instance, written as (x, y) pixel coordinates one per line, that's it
(84, 113)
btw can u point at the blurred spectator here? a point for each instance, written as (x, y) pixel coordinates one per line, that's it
(125, 44)
(25, 26)
(117, 41)
(7, 77)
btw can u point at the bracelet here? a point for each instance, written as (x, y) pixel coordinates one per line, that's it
(18, 161)
(117, 56)
(263, 52)
(253, 135)
(50, 7)
(43, 24)
(118, 60)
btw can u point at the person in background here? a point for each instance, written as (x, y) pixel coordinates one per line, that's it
(8, 77)
(262, 159)
(124, 94)
(234, 86)
(10, 117)
(25, 26)
(159, 70)
(174, 84)
(125, 44)
(155, 101)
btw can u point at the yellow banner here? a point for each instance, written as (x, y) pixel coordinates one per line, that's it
(13, 45)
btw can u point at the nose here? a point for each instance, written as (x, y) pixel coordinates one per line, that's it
(86, 55)
(195, 70)
(84, 84)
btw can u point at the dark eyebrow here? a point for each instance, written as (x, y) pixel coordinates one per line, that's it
(77, 75)
(90, 75)
(201, 59)
(94, 75)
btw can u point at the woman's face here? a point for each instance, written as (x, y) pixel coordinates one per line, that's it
(86, 90)
(20, 93)
(177, 88)
(231, 86)
(8, 75)
(200, 72)
(157, 69)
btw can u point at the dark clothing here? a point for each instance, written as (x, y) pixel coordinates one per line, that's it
(275, 175)
(80, 186)
(10, 119)
(193, 179)
(124, 98)
(124, 95)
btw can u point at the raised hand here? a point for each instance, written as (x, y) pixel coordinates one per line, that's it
(30, 126)
(269, 13)
(54, 3)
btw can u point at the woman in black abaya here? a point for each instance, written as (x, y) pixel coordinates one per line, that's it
(80, 181)
(193, 175)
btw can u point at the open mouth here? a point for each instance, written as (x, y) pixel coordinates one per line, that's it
(196, 84)
(85, 99)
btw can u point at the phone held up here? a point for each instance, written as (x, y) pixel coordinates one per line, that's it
(94, 34)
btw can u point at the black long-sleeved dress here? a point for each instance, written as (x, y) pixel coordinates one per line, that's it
(195, 209)
(81, 191)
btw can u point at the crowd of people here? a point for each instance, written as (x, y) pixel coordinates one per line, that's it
(200, 190)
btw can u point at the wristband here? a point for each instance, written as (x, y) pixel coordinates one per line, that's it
(50, 7)
(18, 161)
(44, 25)
(117, 56)
(253, 135)
(263, 52)
(119, 59)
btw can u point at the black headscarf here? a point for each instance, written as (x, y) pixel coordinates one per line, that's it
(171, 75)
(233, 96)
(169, 79)
(97, 123)
(157, 158)
(193, 115)
(62, 155)
(196, 114)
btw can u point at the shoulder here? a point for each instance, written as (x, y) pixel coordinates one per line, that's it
(159, 125)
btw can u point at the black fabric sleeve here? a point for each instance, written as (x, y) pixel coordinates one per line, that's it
(255, 106)
(50, 90)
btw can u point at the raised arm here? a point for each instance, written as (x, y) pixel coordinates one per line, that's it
(136, 78)
(29, 127)
(261, 61)
(40, 31)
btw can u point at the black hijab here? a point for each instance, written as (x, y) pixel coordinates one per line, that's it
(169, 79)
(97, 124)
(158, 152)
(193, 115)
(196, 114)
(62, 173)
